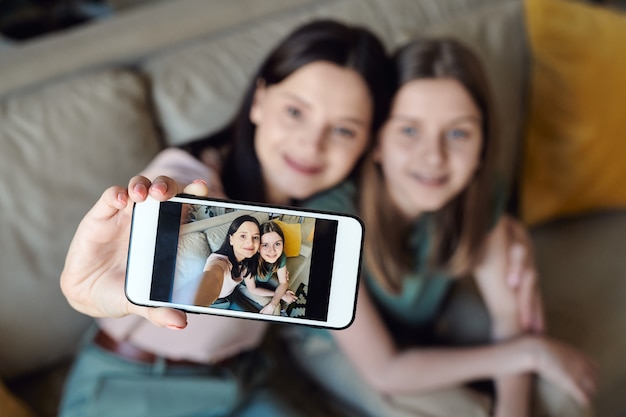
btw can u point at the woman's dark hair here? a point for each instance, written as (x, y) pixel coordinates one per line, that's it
(460, 227)
(351, 47)
(248, 265)
(266, 267)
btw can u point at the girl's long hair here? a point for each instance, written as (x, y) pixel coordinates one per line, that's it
(350, 47)
(247, 265)
(457, 230)
(265, 267)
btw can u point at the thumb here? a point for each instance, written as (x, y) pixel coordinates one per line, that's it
(162, 316)
(110, 203)
(198, 187)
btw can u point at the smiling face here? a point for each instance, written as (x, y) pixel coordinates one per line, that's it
(271, 247)
(430, 146)
(245, 241)
(311, 129)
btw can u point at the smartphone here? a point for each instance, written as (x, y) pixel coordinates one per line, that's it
(175, 246)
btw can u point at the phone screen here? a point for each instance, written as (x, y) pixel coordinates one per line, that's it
(190, 236)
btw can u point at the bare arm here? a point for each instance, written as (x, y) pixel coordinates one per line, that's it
(283, 285)
(513, 391)
(281, 292)
(389, 370)
(253, 289)
(210, 286)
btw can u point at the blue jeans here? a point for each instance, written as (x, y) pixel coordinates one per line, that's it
(103, 384)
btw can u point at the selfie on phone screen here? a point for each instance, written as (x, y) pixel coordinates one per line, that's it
(242, 260)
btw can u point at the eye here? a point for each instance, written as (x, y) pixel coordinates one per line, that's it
(457, 134)
(344, 132)
(256, 238)
(294, 112)
(278, 244)
(410, 131)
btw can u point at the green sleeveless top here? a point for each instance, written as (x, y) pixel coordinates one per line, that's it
(416, 306)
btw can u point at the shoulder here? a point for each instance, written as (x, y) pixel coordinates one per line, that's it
(215, 259)
(341, 198)
(184, 168)
(282, 261)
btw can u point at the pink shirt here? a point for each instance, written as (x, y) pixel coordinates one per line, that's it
(206, 338)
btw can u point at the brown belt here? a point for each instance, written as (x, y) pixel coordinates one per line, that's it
(130, 352)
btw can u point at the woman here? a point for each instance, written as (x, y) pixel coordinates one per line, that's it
(429, 199)
(305, 122)
(270, 284)
(233, 262)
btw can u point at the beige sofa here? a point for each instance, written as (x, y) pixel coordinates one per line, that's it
(88, 108)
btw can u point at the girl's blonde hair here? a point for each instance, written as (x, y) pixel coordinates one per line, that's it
(456, 231)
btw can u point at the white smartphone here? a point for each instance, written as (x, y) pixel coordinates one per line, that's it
(175, 245)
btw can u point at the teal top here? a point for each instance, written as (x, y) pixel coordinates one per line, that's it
(282, 262)
(416, 306)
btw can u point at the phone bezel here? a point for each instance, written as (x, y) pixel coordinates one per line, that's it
(345, 269)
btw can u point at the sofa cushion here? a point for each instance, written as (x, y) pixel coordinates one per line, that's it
(61, 147)
(193, 251)
(197, 87)
(582, 273)
(574, 146)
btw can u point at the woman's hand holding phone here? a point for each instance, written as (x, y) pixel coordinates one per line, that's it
(95, 267)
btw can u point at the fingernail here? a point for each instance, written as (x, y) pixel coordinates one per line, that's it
(159, 186)
(203, 182)
(140, 189)
(175, 327)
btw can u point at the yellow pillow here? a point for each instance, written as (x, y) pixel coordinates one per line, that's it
(575, 149)
(293, 237)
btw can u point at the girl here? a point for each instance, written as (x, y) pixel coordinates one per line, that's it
(429, 201)
(235, 261)
(304, 123)
(273, 262)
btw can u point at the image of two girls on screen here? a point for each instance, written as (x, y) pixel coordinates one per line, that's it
(249, 271)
